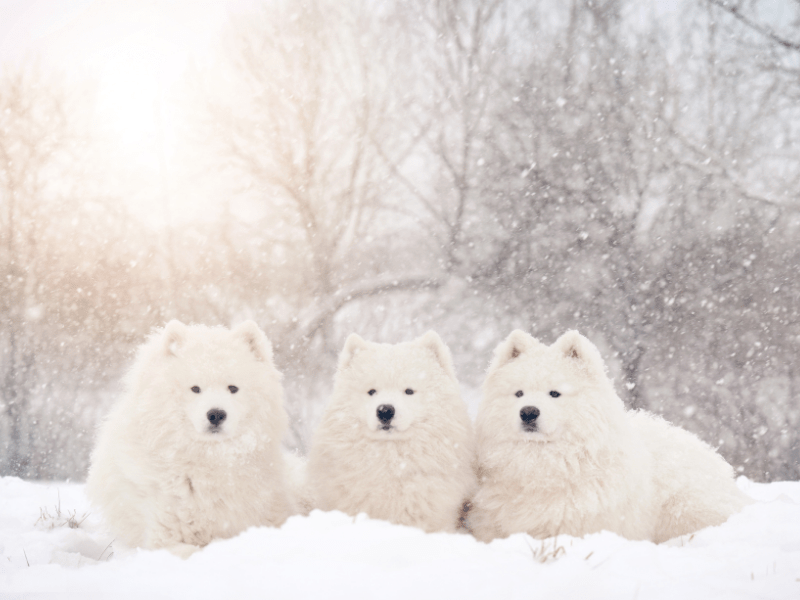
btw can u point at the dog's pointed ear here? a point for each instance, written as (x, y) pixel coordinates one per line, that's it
(518, 342)
(255, 340)
(578, 348)
(433, 342)
(352, 346)
(174, 337)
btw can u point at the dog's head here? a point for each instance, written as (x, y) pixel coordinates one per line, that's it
(215, 383)
(540, 393)
(392, 389)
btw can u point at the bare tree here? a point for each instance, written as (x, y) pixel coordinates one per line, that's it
(33, 127)
(609, 201)
(308, 104)
(444, 94)
(66, 277)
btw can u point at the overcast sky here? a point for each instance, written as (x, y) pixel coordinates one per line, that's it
(82, 33)
(134, 49)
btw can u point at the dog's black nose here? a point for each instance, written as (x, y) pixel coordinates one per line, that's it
(528, 414)
(385, 413)
(216, 416)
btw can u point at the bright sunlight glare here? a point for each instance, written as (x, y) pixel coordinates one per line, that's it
(136, 51)
(134, 82)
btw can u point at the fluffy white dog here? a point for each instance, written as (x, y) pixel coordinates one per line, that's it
(396, 441)
(192, 450)
(559, 454)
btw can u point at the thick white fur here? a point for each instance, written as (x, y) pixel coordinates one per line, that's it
(161, 478)
(591, 465)
(418, 473)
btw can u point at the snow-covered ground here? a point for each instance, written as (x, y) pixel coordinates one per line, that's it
(756, 554)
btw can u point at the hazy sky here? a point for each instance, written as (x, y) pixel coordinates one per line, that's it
(134, 49)
(76, 32)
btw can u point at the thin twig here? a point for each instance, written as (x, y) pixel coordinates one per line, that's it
(104, 550)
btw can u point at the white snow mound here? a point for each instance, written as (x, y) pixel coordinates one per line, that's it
(756, 554)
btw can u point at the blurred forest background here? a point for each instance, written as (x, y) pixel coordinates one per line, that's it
(622, 167)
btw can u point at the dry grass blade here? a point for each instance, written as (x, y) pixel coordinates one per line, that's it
(99, 558)
(59, 518)
(546, 553)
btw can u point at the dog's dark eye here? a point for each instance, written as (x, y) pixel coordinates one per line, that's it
(233, 389)
(409, 391)
(555, 394)
(519, 394)
(195, 389)
(371, 392)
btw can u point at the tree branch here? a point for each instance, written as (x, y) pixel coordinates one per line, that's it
(312, 324)
(761, 29)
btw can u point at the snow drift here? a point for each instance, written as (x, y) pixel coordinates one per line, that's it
(756, 554)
